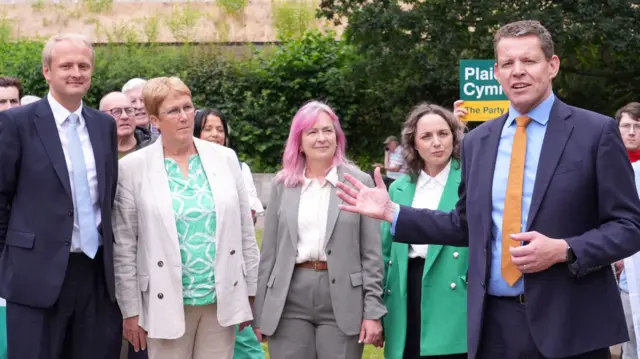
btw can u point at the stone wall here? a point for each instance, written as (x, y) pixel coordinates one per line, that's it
(159, 21)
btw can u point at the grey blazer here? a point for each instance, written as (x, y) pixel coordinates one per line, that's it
(354, 259)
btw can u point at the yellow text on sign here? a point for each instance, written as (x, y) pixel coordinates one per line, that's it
(484, 110)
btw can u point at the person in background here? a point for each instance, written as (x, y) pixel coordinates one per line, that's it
(628, 118)
(185, 256)
(10, 92)
(211, 126)
(321, 271)
(133, 89)
(118, 105)
(393, 160)
(27, 99)
(426, 286)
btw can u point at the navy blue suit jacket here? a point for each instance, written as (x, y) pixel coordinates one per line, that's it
(36, 207)
(584, 193)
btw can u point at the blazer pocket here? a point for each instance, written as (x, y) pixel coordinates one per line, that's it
(356, 279)
(143, 281)
(20, 239)
(272, 279)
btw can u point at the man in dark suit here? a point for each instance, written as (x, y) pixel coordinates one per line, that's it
(58, 179)
(547, 203)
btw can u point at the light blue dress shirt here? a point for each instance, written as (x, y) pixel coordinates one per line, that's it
(535, 136)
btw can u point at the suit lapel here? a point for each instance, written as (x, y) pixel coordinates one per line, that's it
(291, 200)
(405, 191)
(334, 212)
(159, 182)
(487, 153)
(96, 135)
(555, 139)
(446, 204)
(210, 162)
(47, 129)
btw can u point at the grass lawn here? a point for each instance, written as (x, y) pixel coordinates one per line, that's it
(370, 352)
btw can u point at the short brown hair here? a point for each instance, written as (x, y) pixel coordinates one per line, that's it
(632, 109)
(156, 90)
(524, 28)
(76, 39)
(412, 158)
(8, 81)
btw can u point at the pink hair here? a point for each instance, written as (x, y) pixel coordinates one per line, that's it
(293, 161)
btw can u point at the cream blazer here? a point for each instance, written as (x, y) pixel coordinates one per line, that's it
(147, 263)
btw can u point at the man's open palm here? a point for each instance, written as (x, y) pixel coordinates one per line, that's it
(371, 202)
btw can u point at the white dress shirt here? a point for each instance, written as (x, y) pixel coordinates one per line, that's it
(254, 200)
(428, 193)
(312, 217)
(60, 115)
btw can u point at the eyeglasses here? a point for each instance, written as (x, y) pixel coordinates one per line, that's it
(627, 127)
(117, 111)
(175, 112)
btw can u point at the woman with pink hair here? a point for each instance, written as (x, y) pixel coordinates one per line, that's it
(320, 277)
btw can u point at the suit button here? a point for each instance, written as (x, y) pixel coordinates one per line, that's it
(233, 251)
(453, 286)
(388, 291)
(70, 213)
(329, 252)
(333, 281)
(160, 263)
(160, 295)
(456, 255)
(235, 283)
(390, 262)
(67, 243)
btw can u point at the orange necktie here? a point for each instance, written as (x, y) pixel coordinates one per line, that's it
(512, 216)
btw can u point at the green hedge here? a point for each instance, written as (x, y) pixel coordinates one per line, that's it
(258, 89)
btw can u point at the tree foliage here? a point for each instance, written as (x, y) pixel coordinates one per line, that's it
(413, 46)
(258, 92)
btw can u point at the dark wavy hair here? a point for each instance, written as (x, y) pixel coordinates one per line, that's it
(412, 158)
(200, 121)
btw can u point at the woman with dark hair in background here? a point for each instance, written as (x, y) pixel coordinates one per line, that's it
(211, 126)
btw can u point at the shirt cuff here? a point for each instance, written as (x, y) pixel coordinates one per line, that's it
(395, 220)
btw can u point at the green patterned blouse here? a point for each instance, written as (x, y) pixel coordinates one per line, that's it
(195, 213)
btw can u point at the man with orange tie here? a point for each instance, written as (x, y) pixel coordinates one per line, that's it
(547, 203)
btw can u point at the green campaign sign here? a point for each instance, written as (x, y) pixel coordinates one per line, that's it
(478, 82)
(483, 96)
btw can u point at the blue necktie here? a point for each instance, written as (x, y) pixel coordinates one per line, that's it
(83, 204)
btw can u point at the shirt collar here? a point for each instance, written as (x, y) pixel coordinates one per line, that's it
(540, 113)
(331, 177)
(60, 113)
(440, 178)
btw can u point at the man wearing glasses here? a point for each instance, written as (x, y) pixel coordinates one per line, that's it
(628, 118)
(118, 105)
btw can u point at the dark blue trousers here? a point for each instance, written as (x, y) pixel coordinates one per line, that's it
(506, 335)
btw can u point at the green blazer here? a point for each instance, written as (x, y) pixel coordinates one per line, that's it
(444, 283)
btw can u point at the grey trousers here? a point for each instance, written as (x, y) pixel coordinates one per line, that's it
(629, 349)
(308, 328)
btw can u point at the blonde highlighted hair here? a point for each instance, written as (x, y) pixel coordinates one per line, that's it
(158, 89)
(76, 39)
